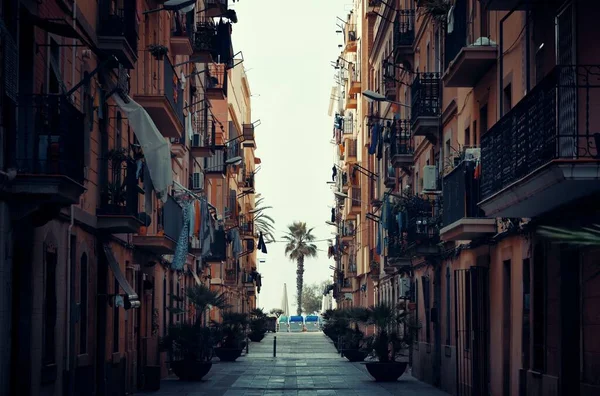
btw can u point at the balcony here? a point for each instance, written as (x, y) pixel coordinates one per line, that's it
(346, 285)
(215, 165)
(401, 145)
(161, 94)
(248, 132)
(462, 218)
(118, 211)
(390, 173)
(203, 42)
(182, 36)
(178, 148)
(169, 226)
(215, 8)
(47, 152)
(351, 149)
(348, 230)
(350, 31)
(246, 226)
(247, 181)
(216, 82)
(203, 139)
(118, 32)
(404, 34)
(218, 249)
(354, 200)
(231, 277)
(355, 85)
(351, 102)
(391, 89)
(469, 54)
(544, 152)
(397, 254)
(426, 105)
(417, 232)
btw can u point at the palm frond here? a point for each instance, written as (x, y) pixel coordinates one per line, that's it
(586, 236)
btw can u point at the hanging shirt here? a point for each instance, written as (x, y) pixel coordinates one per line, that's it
(375, 130)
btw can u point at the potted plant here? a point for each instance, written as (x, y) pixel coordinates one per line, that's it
(190, 345)
(393, 335)
(353, 341)
(258, 325)
(158, 51)
(231, 335)
(336, 325)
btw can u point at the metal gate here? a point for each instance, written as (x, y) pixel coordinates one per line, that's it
(471, 313)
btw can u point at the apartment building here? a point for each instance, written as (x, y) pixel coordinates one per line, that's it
(112, 115)
(479, 117)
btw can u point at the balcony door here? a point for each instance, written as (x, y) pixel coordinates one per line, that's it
(566, 122)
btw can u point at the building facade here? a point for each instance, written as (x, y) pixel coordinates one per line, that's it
(477, 120)
(115, 117)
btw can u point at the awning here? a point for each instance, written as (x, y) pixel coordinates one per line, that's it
(195, 275)
(155, 146)
(180, 5)
(131, 298)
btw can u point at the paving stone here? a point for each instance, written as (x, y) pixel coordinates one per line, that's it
(307, 364)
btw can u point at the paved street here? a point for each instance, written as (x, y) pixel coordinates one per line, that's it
(306, 365)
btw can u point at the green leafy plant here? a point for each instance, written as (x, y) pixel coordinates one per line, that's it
(158, 50)
(263, 222)
(232, 330)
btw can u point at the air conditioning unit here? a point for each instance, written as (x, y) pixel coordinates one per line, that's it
(472, 154)
(197, 181)
(430, 178)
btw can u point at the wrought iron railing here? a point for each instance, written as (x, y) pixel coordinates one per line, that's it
(557, 119)
(426, 96)
(348, 228)
(204, 38)
(173, 89)
(121, 195)
(216, 77)
(404, 28)
(215, 163)
(246, 225)
(461, 193)
(355, 196)
(247, 180)
(49, 139)
(204, 128)
(401, 141)
(218, 248)
(352, 148)
(119, 22)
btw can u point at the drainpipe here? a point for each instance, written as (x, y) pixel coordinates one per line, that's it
(501, 57)
(70, 320)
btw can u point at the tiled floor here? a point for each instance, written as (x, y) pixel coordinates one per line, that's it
(306, 365)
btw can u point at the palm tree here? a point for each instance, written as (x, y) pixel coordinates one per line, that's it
(264, 223)
(299, 246)
(202, 297)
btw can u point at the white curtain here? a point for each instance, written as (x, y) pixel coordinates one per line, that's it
(155, 146)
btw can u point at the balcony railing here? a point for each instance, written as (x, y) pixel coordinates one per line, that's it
(121, 195)
(216, 163)
(204, 37)
(401, 142)
(171, 219)
(404, 28)
(246, 226)
(556, 120)
(461, 193)
(348, 228)
(173, 89)
(218, 249)
(426, 96)
(247, 180)
(417, 225)
(216, 81)
(119, 22)
(355, 196)
(49, 140)
(352, 148)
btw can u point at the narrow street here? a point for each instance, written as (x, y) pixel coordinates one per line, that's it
(306, 365)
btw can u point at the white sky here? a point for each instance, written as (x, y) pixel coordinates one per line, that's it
(287, 47)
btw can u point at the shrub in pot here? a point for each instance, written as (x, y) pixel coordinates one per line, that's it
(393, 335)
(190, 345)
(231, 336)
(258, 325)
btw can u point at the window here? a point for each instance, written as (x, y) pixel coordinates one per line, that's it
(448, 279)
(483, 119)
(83, 303)
(507, 98)
(49, 314)
(467, 137)
(526, 325)
(54, 79)
(539, 309)
(116, 319)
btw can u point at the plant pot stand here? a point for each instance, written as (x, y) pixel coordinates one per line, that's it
(354, 355)
(228, 354)
(190, 370)
(386, 372)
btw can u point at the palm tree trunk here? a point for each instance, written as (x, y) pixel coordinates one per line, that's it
(299, 283)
